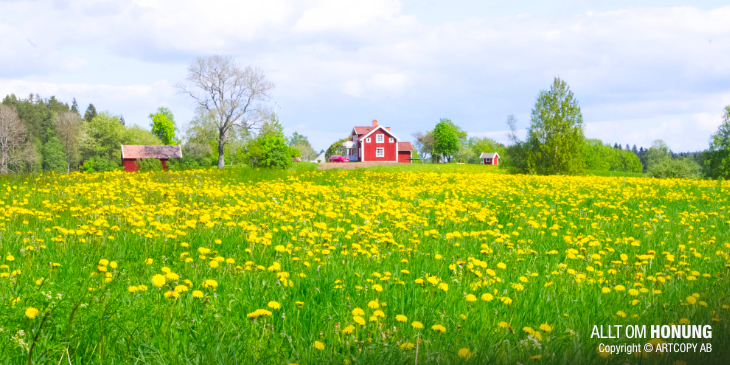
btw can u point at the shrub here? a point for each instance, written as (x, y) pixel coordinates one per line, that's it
(680, 168)
(149, 164)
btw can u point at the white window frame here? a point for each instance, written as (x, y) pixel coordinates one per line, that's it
(380, 151)
(390, 140)
(379, 138)
(367, 139)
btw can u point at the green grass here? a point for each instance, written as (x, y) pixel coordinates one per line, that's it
(547, 244)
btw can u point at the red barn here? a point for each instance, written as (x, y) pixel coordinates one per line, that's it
(490, 158)
(130, 154)
(376, 144)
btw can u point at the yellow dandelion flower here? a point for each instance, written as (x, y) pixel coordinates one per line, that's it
(359, 320)
(546, 327)
(438, 328)
(465, 353)
(159, 280)
(274, 305)
(401, 318)
(31, 312)
(471, 298)
(318, 345)
(197, 294)
(407, 346)
(417, 325)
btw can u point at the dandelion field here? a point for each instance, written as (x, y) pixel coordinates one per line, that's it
(439, 266)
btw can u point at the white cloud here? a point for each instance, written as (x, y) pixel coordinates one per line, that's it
(639, 73)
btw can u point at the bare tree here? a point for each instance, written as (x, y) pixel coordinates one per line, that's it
(30, 155)
(68, 129)
(424, 144)
(12, 138)
(221, 86)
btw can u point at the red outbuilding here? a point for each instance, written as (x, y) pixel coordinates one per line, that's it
(490, 158)
(376, 144)
(131, 153)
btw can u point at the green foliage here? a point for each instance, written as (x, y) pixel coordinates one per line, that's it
(37, 114)
(54, 159)
(102, 136)
(149, 164)
(89, 165)
(269, 148)
(717, 159)
(163, 126)
(90, 113)
(480, 145)
(137, 136)
(102, 164)
(294, 152)
(555, 139)
(598, 156)
(446, 139)
(678, 168)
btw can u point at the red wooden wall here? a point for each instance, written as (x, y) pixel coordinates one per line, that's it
(403, 156)
(390, 148)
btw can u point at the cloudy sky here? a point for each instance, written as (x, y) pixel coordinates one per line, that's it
(640, 70)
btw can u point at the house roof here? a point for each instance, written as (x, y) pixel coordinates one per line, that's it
(405, 146)
(363, 130)
(140, 151)
(489, 155)
(373, 129)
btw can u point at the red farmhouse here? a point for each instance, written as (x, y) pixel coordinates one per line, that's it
(490, 158)
(376, 144)
(130, 154)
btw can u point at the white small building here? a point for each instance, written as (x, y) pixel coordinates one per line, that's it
(489, 158)
(320, 158)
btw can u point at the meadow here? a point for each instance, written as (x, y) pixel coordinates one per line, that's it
(427, 265)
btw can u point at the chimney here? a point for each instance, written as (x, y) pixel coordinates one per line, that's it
(387, 129)
(375, 122)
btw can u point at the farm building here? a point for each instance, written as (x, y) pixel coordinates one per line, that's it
(319, 159)
(489, 158)
(131, 153)
(376, 143)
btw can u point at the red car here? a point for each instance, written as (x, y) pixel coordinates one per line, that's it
(339, 159)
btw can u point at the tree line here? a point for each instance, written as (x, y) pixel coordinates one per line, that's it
(556, 144)
(231, 125)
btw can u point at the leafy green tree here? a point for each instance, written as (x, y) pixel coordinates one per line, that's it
(294, 152)
(103, 136)
(480, 145)
(54, 159)
(555, 137)
(163, 126)
(297, 138)
(717, 159)
(446, 139)
(138, 136)
(269, 148)
(658, 153)
(90, 113)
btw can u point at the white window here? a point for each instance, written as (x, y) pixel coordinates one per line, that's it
(390, 140)
(379, 138)
(367, 139)
(380, 152)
